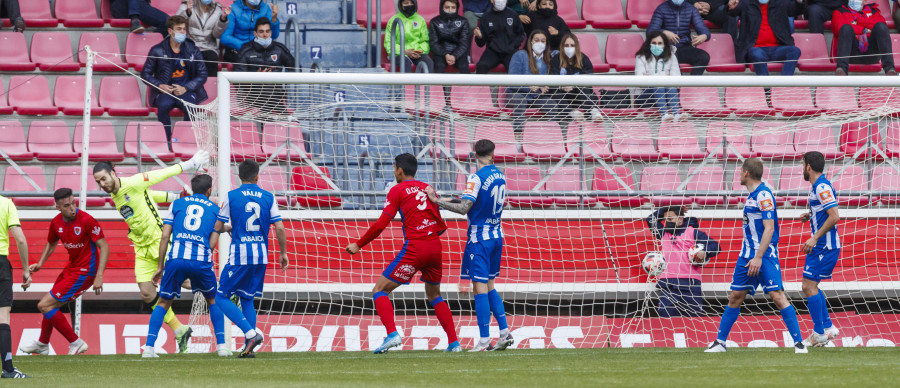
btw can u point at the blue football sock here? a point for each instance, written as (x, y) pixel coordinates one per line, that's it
(789, 315)
(156, 321)
(728, 319)
(483, 314)
(815, 312)
(826, 319)
(498, 309)
(218, 321)
(249, 310)
(233, 313)
(51, 313)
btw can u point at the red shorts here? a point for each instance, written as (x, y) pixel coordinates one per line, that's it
(70, 284)
(417, 255)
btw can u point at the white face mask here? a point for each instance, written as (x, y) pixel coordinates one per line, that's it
(538, 47)
(855, 5)
(570, 51)
(499, 5)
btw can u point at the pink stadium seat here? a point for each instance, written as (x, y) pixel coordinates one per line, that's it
(276, 134)
(170, 7)
(836, 99)
(854, 178)
(78, 13)
(747, 101)
(568, 11)
(184, 141)
(543, 140)
(12, 140)
(736, 138)
(501, 133)
(472, 101)
(50, 141)
(886, 178)
(702, 102)
(103, 144)
(816, 136)
(30, 95)
(707, 179)
(387, 10)
(476, 56)
(875, 97)
(52, 51)
(70, 176)
(773, 140)
(68, 96)
(605, 14)
(137, 46)
(793, 102)
(736, 186)
(892, 140)
(640, 12)
(153, 135)
(679, 141)
(895, 47)
(569, 179)
(5, 109)
(15, 51)
(855, 135)
(884, 6)
(305, 178)
(590, 48)
(664, 179)
(13, 181)
(427, 9)
(436, 100)
(245, 142)
(791, 179)
(121, 96)
(721, 54)
(525, 179)
(107, 45)
(594, 136)
(606, 181)
(108, 17)
(813, 52)
(461, 144)
(632, 140)
(37, 13)
(274, 179)
(212, 88)
(620, 48)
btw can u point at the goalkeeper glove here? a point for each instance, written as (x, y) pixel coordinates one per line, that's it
(200, 159)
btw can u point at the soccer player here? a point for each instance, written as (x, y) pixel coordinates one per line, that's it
(10, 226)
(88, 253)
(137, 204)
(758, 261)
(482, 203)
(822, 249)
(422, 251)
(191, 225)
(251, 211)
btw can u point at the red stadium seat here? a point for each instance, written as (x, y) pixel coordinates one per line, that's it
(472, 101)
(462, 142)
(30, 95)
(606, 181)
(245, 143)
(590, 48)
(37, 13)
(52, 51)
(855, 135)
(884, 6)
(594, 137)
(12, 140)
(103, 144)
(736, 138)
(387, 10)
(853, 178)
(703, 102)
(816, 136)
(70, 176)
(620, 48)
(184, 141)
(15, 52)
(13, 181)
(121, 96)
(892, 140)
(169, 7)
(791, 179)
(666, 179)
(153, 136)
(679, 141)
(605, 14)
(50, 141)
(108, 17)
(736, 186)
(721, 54)
(77, 13)
(137, 46)
(876, 97)
(501, 133)
(273, 179)
(436, 100)
(212, 88)
(569, 178)
(640, 12)
(886, 178)
(427, 9)
(543, 140)
(276, 134)
(68, 96)
(747, 101)
(707, 179)
(836, 99)
(813, 52)
(773, 140)
(5, 109)
(525, 179)
(793, 102)
(568, 11)
(895, 46)
(106, 44)
(305, 178)
(632, 141)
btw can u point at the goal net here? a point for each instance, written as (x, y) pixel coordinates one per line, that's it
(587, 160)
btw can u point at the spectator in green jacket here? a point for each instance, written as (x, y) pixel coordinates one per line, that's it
(416, 32)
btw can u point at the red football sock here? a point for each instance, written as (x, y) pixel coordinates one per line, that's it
(445, 317)
(46, 331)
(61, 324)
(386, 311)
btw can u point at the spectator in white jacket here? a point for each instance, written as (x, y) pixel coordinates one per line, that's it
(657, 57)
(207, 20)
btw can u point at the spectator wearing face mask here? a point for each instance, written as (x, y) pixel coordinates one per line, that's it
(501, 33)
(657, 57)
(449, 38)
(674, 19)
(207, 21)
(533, 59)
(861, 36)
(545, 18)
(572, 102)
(765, 33)
(416, 35)
(242, 24)
(265, 55)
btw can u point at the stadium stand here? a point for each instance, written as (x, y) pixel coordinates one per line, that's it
(68, 96)
(15, 56)
(52, 51)
(12, 141)
(70, 176)
(50, 141)
(103, 144)
(77, 13)
(793, 102)
(30, 95)
(605, 14)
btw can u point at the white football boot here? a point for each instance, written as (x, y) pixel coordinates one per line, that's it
(716, 347)
(78, 347)
(36, 348)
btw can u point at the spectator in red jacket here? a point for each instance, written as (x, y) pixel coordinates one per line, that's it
(861, 36)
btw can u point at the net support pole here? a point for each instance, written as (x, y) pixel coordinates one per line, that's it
(224, 174)
(85, 148)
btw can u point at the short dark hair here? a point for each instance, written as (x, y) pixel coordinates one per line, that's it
(263, 21)
(200, 184)
(815, 159)
(484, 147)
(678, 210)
(408, 163)
(175, 20)
(104, 166)
(247, 170)
(62, 193)
(754, 166)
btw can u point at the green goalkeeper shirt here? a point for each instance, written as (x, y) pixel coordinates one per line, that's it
(137, 204)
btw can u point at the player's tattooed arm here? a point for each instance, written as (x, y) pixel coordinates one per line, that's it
(461, 207)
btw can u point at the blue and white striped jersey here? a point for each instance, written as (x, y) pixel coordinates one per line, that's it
(821, 198)
(193, 219)
(251, 211)
(487, 189)
(760, 205)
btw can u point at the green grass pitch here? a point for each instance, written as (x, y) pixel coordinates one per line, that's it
(858, 367)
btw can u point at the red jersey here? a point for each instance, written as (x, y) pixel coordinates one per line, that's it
(79, 238)
(421, 217)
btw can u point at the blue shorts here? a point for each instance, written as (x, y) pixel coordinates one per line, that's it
(244, 280)
(481, 260)
(769, 276)
(202, 275)
(820, 263)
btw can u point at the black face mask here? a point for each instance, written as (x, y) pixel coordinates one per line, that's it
(408, 10)
(670, 226)
(448, 15)
(546, 12)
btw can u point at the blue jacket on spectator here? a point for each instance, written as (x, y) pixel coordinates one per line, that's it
(242, 21)
(477, 6)
(519, 65)
(678, 19)
(158, 69)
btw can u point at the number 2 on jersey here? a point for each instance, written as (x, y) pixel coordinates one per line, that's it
(498, 194)
(252, 207)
